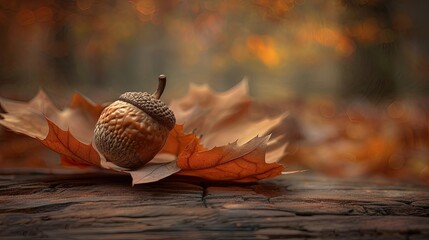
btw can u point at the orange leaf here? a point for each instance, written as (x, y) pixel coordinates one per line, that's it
(40, 119)
(93, 109)
(216, 118)
(177, 141)
(244, 163)
(219, 119)
(74, 151)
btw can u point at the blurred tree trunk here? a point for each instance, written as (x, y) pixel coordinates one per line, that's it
(369, 72)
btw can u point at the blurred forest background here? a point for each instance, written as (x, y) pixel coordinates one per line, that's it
(354, 74)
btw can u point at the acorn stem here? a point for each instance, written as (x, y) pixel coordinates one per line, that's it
(162, 80)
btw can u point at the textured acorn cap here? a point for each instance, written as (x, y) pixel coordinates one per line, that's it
(152, 106)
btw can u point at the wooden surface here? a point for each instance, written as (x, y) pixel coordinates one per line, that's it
(105, 206)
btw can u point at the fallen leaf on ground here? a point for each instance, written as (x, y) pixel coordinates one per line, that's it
(229, 163)
(216, 138)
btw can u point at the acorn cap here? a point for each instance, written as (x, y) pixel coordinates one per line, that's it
(152, 106)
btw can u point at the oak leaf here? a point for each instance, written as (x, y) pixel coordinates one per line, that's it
(215, 138)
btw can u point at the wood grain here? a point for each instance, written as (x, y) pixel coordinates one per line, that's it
(106, 206)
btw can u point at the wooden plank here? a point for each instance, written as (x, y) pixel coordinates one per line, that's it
(106, 206)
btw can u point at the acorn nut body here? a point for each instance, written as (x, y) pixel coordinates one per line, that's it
(133, 129)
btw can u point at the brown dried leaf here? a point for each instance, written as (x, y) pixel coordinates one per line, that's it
(217, 121)
(228, 163)
(220, 122)
(72, 150)
(40, 119)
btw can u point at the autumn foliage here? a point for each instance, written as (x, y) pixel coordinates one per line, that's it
(215, 139)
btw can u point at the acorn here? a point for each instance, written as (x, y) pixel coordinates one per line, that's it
(133, 129)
